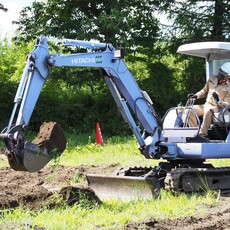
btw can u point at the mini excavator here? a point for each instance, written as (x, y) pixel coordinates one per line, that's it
(180, 149)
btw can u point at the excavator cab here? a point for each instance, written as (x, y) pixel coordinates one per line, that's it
(175, 123)
(215, 54)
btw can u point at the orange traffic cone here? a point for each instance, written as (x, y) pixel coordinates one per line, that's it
(99, 139)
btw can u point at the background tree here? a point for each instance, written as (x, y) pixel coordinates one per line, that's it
(3, 8)
(128, 24)
(195, 21)
(79, 96)
(122, 23)
(12, 61)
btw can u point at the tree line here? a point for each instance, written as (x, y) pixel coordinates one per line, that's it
(77, 97)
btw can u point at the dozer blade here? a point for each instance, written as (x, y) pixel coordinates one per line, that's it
(49, 143)
(123, 187)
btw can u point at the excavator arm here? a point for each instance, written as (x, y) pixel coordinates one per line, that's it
(23, 155)
(26, 156)
(123, 87)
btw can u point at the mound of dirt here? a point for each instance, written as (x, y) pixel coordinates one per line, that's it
(34, 190)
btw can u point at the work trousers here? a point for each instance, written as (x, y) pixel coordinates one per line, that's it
(206, 111)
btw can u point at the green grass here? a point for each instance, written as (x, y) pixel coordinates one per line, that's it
(112, 152)
(112, 214)
(220, 162)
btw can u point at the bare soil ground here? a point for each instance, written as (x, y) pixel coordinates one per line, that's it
(34, 190)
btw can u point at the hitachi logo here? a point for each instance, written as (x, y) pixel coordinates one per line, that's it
(83, 60)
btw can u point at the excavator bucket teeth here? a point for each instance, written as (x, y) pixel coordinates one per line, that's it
(123, 187)
(49, 143)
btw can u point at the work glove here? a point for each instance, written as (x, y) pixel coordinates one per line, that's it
(222, 103)
(219, 101)
(215, 96)
(192, 96)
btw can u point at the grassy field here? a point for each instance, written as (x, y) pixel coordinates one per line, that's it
(111, 214)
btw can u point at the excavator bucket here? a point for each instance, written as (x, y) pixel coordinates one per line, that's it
(32, 158)
(124, 186)
(49, 143)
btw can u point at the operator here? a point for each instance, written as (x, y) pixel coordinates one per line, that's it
(217, 93)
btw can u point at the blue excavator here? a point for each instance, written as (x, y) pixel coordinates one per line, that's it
(182, 152)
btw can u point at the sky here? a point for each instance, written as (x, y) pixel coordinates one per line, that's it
(14, 7)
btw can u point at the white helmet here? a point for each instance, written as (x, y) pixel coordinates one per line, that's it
(225, 69)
